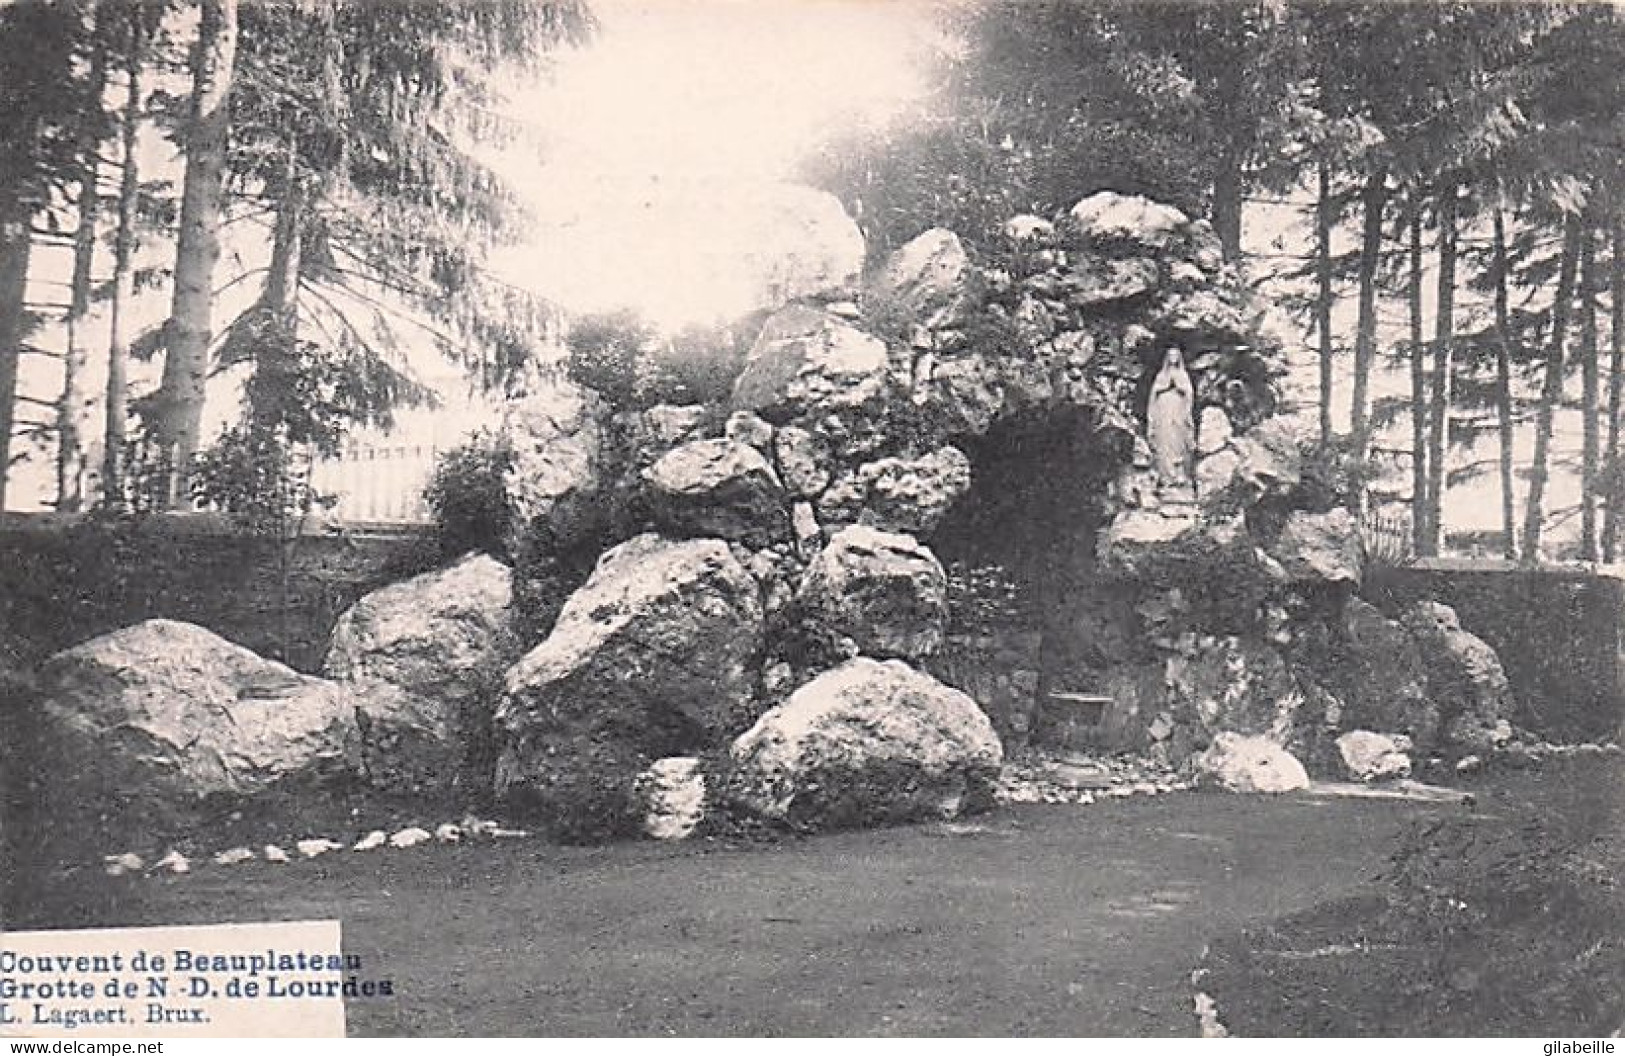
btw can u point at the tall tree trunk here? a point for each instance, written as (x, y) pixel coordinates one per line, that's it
(1443, 339)
(1373, 200)
(1323, 296)
(279, 305)
(1551, 393)
(282, 278)
(1590, 434)
(1503, 391)
(1420, 504)
(74, 408)
(191, 316)
(118, 346)
(1227, 189)
(1616, 389)
(16, 214)
(1228, 178)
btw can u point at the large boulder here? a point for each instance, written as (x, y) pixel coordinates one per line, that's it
(1272, 457)
(560, 485)
(1095, 282)
(1108, 217)
(883, 590)
(909, 495)
(804, 460)
(810, 363)
(1027, 229)
(650, 433)
(442, 640)
(800, 245)
(1368, 756)
(1320, 547)
(559, 437)
(1216, 473)
(719, 489)
(151, 727)
(1172, 544)
(867, 743)
(1464, 676)
(655, 652)
(929, 279)
(1233, 684)
(1380, 675)
(1237, 763)
(1213, 431)
(965, 394)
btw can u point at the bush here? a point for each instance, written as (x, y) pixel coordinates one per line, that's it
(259, 478)
(468, 495)
(609, 353)
(625, 360)
(725, 820)
(1499, 923)
(586, 792)
(1332, 475)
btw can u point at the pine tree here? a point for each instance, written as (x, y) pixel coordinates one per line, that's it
(191, 323)
(1589, 490)
(1616, 389)
(1421, 500)
(37, 46)
(74, 404)
(1551, 392)
(116, 402)
(1373, 201)
(1503, 388)
(1324, 295)
(1443, 365)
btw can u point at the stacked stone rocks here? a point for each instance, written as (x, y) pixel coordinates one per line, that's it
(754, 583)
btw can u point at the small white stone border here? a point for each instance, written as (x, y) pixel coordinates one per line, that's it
(1046, 792)
(175, 863)
(1206, 1009)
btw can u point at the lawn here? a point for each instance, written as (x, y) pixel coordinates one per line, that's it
(1488, 926)
(1034, 920)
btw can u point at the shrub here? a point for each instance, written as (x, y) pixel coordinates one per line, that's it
(468, 495)
(624, 359)
(259, 478)
(586, 792)
(1332, 475)
(609, 353)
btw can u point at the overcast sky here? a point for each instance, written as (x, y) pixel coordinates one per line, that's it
(661, 139)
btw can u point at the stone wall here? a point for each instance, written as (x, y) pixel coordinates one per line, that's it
(1558, 633)
(64, 580)
(1001, 673)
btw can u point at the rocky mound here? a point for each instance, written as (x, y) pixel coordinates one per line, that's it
(758, 578)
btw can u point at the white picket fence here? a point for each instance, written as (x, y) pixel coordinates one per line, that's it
(377, 484)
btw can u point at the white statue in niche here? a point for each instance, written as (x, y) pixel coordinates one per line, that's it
(1170, 427)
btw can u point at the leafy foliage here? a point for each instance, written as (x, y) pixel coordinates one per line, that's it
(586, 792)
(1039, 104)
(259, 478)
(468, 496)
(628, 362)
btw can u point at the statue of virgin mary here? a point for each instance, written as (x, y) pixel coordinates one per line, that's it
(1170, 427)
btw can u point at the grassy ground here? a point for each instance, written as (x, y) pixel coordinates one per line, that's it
(1506, 924)
(1036, 920)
